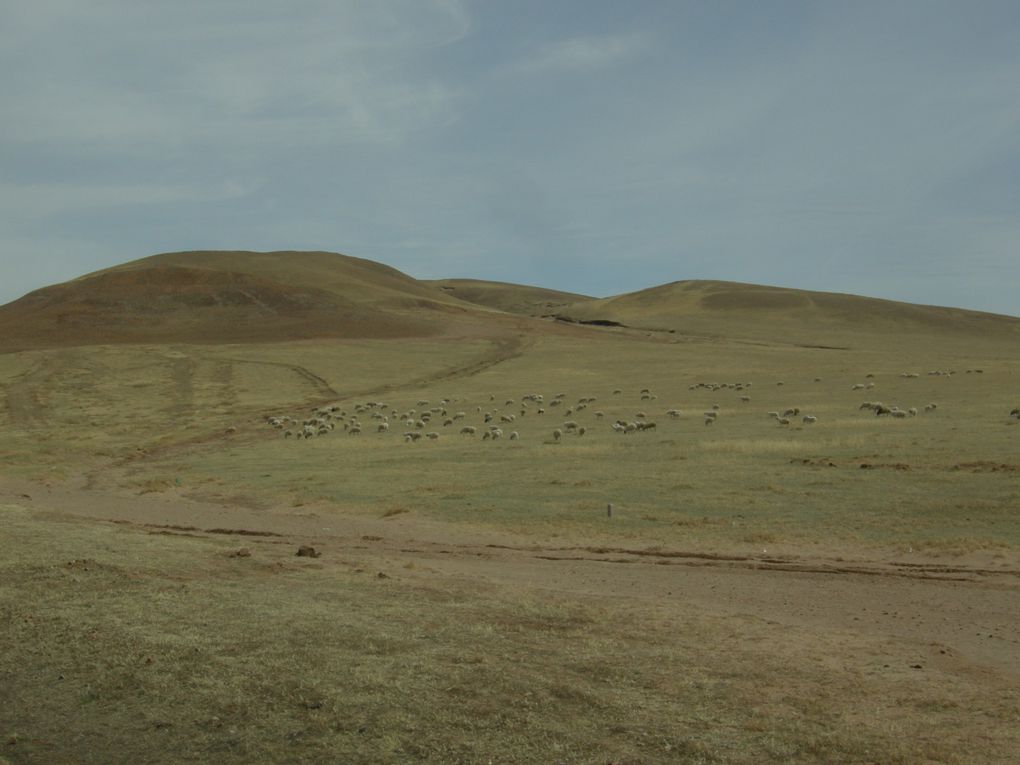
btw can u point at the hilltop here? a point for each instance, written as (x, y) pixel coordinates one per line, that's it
(235, 297)
(776, 314)
(242, 297)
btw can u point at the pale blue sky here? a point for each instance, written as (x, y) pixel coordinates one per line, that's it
(598, 147)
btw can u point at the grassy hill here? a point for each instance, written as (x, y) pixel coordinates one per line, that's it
(512, 298)
(801, 317)
(210, 297)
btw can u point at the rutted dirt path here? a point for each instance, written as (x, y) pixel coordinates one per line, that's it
(956, 617)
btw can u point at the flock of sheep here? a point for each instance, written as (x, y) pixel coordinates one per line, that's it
(426, 421)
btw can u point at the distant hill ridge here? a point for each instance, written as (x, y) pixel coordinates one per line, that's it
(214, 296)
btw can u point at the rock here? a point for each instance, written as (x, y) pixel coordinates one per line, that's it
(306, 551)
(241, 552)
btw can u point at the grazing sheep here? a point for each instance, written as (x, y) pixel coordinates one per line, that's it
(808, 419)
(467, 430)
(783, 421)
(447, 422)
(646, 426)
(857, 386)
(640, 416)
(411, 436)
(570, 425)
(709, 420)
(383, 427)
(746, 399)
(432, 435)
(931, 407)
(599, 415)
(557, 434)
(582, 431)
(711, 415)
(792, 412)
(288, 433)
(631, 427)
(617, 391)
(774, 415)
(496, 433)
(1015, 413)
(898, 413)
(514, 435)
(674, 413)
(912, 411)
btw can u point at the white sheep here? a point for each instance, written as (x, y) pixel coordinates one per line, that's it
(809, 419)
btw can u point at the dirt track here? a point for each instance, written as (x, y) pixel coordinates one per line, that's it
(953, 617)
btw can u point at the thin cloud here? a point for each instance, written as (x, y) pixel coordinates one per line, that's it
(581, 54)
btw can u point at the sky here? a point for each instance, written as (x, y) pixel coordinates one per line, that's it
(593, 146)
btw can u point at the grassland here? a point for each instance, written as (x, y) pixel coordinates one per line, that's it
(838, 592)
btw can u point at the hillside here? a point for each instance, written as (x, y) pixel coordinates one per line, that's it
(776, 314)
(213, 297)
(511, 298)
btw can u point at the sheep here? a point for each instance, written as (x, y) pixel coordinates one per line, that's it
(617, 391)
(912, 411)
(618, 427)
(783, 421)
(898, 413)
(432, 435)
(646, 426)
(514, 435)
(459, 416)
(631, 427)
(674, 413)
(467, 430)
(640, 416)
(496, 433)
(411, 436)
(711, 415)
(570, 425)
(857, 386)
(582, 431)
(709, 420)
(355, 431)
(383, 427)
(792, 412)
(931, 407)
(808, 419)
(774, 415)
(599, 415)
(1015, 413)
(745, 399)
(557, 434)
(288, 433)
(447, 422)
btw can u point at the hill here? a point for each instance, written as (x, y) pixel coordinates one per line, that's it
(511, 298)
(233, 296)
(776, 314)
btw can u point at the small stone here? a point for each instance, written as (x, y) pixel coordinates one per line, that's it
(241, 552)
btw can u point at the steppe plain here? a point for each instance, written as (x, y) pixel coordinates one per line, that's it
(842, 591)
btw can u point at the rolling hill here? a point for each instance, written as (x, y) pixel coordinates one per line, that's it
(239, 297)
(512, 298)
(216, 297)
(776, 314)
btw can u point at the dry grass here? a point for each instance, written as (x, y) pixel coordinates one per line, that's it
(158, 648)
(165, 648)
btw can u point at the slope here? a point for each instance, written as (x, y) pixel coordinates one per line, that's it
(232, 296)
(511, 298)
(776, 314)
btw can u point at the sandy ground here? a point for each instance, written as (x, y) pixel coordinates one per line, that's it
(958, 616)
